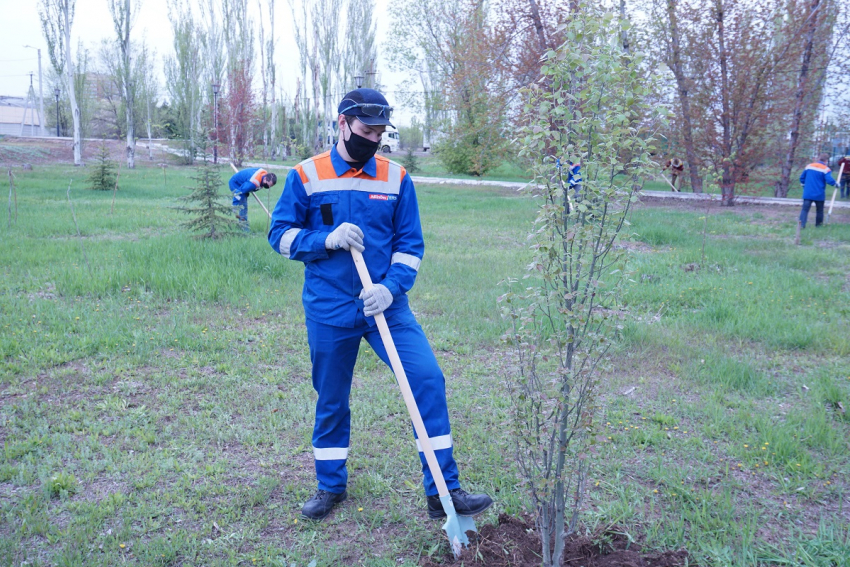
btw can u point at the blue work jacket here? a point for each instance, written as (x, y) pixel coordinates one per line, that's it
(814, 179)
(323, 192)
(247, 180)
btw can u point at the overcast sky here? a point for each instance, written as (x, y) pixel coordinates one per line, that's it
(20, 25)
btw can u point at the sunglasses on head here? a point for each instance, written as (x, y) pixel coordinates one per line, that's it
(371, 109)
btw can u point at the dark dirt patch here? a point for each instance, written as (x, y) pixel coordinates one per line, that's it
(515, 543)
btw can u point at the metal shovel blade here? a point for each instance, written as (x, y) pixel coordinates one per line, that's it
(456, 526)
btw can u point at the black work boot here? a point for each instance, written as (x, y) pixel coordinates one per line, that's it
(319, 506)
(465, 504)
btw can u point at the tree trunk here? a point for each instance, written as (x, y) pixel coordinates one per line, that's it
(682, 88)
(781, 189)
(727, 183)
(624, 36)
(538, 25)
(69, 85)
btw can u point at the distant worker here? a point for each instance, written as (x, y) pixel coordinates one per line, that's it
(814, 179)
(242, 184)
(677, 168)
(574, 178)
(845, 176)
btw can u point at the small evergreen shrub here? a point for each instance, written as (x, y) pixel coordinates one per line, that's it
(102, 177)
(410, 161)
(212, 214)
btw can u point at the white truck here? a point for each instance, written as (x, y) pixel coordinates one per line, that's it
(389, 140)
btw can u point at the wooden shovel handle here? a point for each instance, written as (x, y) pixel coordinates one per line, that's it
(403, 384)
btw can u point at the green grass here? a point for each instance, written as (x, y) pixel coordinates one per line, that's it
(156, 404)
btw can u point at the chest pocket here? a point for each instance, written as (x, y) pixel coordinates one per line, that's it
(380, 211)
(322, 209)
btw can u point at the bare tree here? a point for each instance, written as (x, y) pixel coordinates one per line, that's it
(359, 51)
(57, 17)
(147, 88)
(802, 88)
(122, 20)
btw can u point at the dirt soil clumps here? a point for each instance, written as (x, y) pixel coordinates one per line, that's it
(513, 542)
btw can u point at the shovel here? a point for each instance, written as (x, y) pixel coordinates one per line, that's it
(455, 526)
(834, 193)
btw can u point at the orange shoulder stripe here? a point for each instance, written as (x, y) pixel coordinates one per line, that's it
(301, 173)
(324, 166)
(382, 171)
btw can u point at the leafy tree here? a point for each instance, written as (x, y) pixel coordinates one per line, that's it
(103, 175)
(57, 17)
(212, 213)
(591, 109)
(411, 136)
(182, 70)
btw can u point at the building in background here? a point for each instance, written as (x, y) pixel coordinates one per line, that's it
(17, 119)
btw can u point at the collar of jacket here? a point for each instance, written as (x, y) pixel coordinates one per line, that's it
(341, 166)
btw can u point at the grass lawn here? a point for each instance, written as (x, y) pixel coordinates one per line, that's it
(156, 405)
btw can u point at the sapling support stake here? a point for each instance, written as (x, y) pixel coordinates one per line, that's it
(115, 190)
(74, 216)
(13, 193)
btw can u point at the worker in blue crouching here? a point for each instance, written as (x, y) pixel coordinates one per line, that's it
(242, 184)
(350, 198)
(814, 179)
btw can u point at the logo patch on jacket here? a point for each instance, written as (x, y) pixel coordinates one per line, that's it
(379, 197)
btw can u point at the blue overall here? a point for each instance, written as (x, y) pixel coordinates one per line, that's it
(814, 179)
(320, 194)
(241, 185)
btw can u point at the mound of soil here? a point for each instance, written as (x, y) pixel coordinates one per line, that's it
(514, 543)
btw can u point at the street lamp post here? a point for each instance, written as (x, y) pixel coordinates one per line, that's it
(56, 92)
(359, 80)
(215, 88)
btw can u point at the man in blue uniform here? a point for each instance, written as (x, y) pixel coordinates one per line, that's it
(815, 178)
(349, 198)
(244, 183)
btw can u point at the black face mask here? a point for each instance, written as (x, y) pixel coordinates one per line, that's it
(360, 149)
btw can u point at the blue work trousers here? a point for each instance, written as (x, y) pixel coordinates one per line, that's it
(804, 214)
(240, 207)
(845, 186)
(333, 352)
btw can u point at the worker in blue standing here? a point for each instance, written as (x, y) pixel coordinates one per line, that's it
(350, 198)
(814, 179)
(242, 184)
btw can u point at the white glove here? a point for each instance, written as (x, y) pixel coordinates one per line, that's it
(345, 236)
(376, 300)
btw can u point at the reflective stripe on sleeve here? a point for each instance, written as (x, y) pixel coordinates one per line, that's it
(394, 178)
(437, 443)
(406, 259)
(330, 453)
(286, 241)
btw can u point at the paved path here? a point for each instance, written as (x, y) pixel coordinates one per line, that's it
(749, 200)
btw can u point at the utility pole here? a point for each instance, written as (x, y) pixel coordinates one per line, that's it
(30, 105)
(40, 93)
